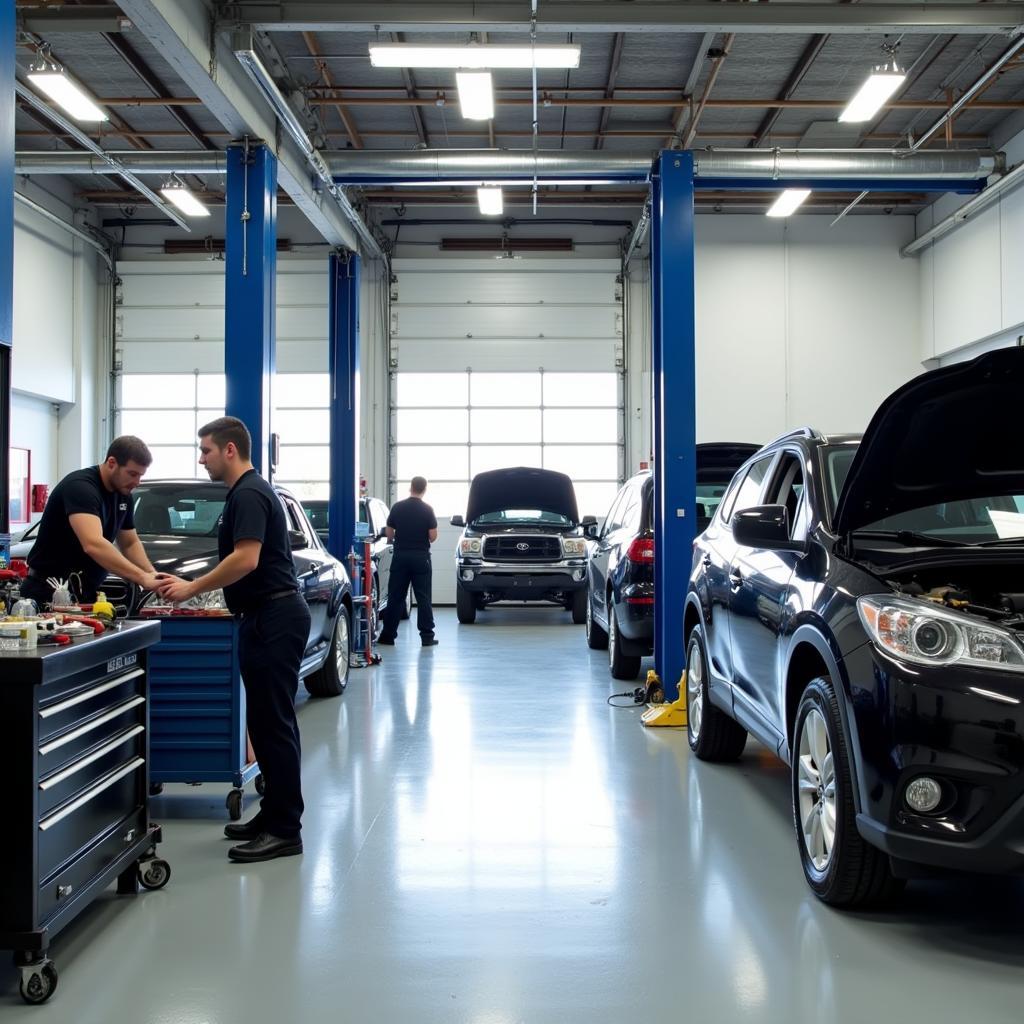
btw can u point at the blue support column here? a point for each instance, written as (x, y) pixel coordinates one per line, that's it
(251, 257)
(675, 421)
(6, 265)
(343, 349)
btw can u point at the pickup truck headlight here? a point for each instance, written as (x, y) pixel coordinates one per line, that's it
(925, 634)
(574, 545)
(212, 601)
(470, 546)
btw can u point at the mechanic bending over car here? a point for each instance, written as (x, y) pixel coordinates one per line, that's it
(90, 510)
(257, 574)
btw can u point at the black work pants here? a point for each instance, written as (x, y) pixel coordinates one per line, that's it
(409, 567)
(271, 642)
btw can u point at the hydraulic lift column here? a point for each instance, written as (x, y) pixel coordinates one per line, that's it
(343, 359)
(6, 267)
(249, 300)
(675, 417)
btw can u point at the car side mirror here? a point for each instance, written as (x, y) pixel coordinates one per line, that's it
(763, 526)
(458, 521)
(591, 530)
(297, 540)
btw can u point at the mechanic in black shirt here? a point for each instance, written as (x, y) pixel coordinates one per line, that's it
(413, 528)
(257, 574)
(88, 511)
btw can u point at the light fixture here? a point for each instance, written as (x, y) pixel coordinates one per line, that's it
(264, 81)
(474, 55)
(476, 95)
(491, 201)
(177, 192)
(50, 77)
(788, 201)
(883, 81)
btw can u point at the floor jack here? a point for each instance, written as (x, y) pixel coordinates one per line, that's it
(660, 713)
(360, 571)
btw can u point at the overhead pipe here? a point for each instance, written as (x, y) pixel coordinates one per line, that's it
(470, 167)
(43, 212)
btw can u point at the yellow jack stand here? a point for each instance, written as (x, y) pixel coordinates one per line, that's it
(672, 715)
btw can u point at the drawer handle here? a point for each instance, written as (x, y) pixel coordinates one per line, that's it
(56, 780)
(64, 891)
(79, 698)
(104, 784)
(70, 737)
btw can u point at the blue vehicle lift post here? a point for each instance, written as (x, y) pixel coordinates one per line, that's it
(6, 265)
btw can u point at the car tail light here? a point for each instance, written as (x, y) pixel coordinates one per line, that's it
(641, 550)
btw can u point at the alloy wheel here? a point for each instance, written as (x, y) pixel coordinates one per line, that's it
(695, 690)
(613, 637)
(817, 790)
(341, 644)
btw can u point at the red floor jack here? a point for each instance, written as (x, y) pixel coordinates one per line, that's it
(360, 571)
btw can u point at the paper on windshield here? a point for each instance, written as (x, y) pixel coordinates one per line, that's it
(1007, 524)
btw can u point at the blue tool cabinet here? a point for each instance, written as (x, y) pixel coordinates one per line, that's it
(197, 709)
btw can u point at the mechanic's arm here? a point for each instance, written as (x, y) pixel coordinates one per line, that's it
(390, 531)
(239, 563)
(89, 531)
(433, 535)
(132, 549)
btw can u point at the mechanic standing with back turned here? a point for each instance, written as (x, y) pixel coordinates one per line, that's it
(257, 574)
(412, 526)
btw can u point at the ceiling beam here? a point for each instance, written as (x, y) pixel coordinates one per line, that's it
(181, 31)
(346, 117)
(624, 16)
(410, 92)
(609, 89)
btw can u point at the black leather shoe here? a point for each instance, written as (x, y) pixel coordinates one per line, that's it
(244, 830)
(266, 847)
(431, 642)
(386, 643)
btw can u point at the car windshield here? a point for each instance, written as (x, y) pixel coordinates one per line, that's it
(519, 516)
(968, 521)
(180, 510)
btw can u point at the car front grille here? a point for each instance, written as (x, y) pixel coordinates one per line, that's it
(522, 549)
(120, 593)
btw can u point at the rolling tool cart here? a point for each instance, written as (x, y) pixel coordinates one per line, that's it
(364, 618)
(74, 760)
(197, 719)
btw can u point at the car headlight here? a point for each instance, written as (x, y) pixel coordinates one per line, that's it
(211, 601)
(922, 633)
(470, 546)
(574, 545)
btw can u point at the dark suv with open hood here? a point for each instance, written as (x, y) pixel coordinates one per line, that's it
(523, 540)
(858, 605)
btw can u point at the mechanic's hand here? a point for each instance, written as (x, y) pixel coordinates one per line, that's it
(150, 581)
(174, 588)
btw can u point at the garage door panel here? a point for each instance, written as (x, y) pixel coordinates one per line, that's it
(158, 290)
(182, 323)
(506, 354)
(482, 287)
(507, 321)
(302, 323)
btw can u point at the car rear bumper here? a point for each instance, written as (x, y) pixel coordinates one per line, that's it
(634, 614)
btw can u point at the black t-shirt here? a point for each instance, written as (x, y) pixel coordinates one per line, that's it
(412, 520)
(57, 550)
(253, 511)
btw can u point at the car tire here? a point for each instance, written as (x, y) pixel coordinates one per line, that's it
(465, 606)
(840, 867)
(621, 666)
(578, 607)
(331, 678)
(597, 638)
(712, 734)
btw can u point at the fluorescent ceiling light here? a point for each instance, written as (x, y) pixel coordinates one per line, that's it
(788, 202)
(476, 95)
(184, 200)
(490, 201)
(264, 81)
(880, 85)
(474, 55)
(51, 79)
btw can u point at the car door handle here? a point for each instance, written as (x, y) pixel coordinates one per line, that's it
(315, 566)
(735, 579)
(707, 561)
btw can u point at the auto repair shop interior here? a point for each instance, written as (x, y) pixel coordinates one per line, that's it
(703, 322)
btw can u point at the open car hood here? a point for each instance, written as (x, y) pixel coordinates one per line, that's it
(521, 487)
(950, 434)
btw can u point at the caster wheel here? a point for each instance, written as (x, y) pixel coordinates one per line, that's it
(154, 874)
(234, 804)
(39, 982)
(156, 788)
(261, 786)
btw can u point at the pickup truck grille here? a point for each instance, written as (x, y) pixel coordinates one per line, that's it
(522, 549)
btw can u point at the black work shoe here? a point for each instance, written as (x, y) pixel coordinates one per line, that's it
(266, 847)
(430, 642)
(385, 641)
(244, 830)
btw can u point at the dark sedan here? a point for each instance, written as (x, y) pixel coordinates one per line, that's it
(858, 605)
(620, 602)
(177, 521)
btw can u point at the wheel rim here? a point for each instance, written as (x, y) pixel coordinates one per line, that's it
(816, 785)
(341, 645)
(590, 617)
(613, 638)
(408, 603)
(695, 690)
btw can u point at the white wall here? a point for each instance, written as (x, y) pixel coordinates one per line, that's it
(971, 294)
(797, 324)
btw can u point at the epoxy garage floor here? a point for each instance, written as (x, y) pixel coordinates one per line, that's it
(488, 842)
